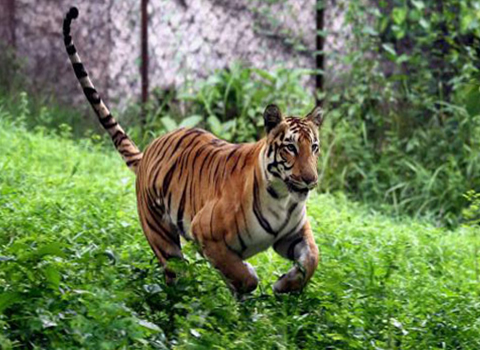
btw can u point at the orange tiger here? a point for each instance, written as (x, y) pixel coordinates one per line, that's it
(233, 200)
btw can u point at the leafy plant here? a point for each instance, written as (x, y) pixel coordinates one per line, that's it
(76, 271)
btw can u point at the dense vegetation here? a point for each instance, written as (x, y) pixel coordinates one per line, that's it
(401, 131)
(399, 265)
(76, 271)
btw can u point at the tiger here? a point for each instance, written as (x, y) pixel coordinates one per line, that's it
(232, 200)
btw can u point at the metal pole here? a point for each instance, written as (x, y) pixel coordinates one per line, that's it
(319, 50)
(144, 62)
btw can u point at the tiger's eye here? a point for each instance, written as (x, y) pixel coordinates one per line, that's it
(292, 148)
(314, 148)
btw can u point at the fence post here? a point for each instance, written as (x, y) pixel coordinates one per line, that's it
(144, 61)
(319, 54)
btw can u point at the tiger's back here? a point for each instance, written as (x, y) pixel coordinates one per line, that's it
(183, 170)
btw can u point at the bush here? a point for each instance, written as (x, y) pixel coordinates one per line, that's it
(404, 124)
(402, 121)
(76, 271)
(230, 103)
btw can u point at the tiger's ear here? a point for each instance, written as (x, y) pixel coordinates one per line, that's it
(316, 116)
(272, 117)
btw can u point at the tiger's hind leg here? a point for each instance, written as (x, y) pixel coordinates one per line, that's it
(164, 240)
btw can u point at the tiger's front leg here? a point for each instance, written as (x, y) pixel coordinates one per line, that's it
(240, 275)
(300, 248)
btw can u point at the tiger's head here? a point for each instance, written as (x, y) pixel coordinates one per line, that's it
(292, 150)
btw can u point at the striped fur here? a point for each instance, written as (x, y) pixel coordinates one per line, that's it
(127, 149)
(233, 200)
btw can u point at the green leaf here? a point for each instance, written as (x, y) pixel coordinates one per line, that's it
(169, 123)
(424, 23)
(399, 31)
(149, 325)
(389, 48)
(191, 121)
(418, 4)
(52, 275)
(264, 74)
(399, 15)
(214, 124)
(472, 98)
(51, 249)
(7, 299)
(370, 31)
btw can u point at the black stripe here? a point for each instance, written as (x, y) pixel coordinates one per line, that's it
(117, 134)
(187, 133)
(169, 202)
(247, 157)
(79, 70)
(129, 154)
(214, 173)
(242, 243)
(272, 192)
(159, 209)
(108, 122)
(192, 170)
(155, 226)
(117, 140)
(236, 163)
(232, 152)
(245, 221)
(71, 50)
(131, 162)
(208, 158)
(210, 162)
(289, 215)
(270, 150)
(67, 39)
(181, 208)
(168, 178)
(295, 228)
(257, 211)
(185, 156)
(92, 95)
(66, 26)
(291, 248)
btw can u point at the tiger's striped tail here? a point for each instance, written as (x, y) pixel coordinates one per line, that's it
(127, 149)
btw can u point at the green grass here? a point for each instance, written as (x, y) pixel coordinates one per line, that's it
(77, 273)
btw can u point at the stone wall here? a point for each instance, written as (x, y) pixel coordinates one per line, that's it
(188, 40)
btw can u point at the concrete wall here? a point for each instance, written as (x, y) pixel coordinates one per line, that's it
(188, 40)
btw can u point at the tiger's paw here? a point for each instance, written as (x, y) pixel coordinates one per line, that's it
(170, 277)
(245, 286)
(292, 281)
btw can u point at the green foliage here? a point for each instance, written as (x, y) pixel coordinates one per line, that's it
(403, 115)
(404, 125)
(77, 272)
(230, 103)
(472, 213)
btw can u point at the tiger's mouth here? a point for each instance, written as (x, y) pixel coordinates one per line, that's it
(297, 187)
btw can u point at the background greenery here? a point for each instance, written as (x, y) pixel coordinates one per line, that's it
(76, 271)
(396, 215)
(403, 112)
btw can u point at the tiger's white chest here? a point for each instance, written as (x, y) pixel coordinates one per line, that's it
(272, 221)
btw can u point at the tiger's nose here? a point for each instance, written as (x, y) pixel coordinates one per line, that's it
(310, 180)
